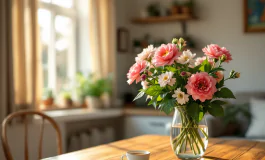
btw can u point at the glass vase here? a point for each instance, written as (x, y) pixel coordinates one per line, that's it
(189, 139)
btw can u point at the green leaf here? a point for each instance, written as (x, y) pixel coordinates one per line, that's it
(218, 102)
(139, 95)
(217, 69)
(205, 66)
(154, 90)
(213, 75)
(172, 69)
(153, 101)
(163, 95)
(159, 98)
(167, 105)
(224, 93)
(220, 84)
(195, 69)
(193, 111)
(216, 110)
(152, 70)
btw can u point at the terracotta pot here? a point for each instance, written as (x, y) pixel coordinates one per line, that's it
(48, 102)
(67, 103)
(93, 102)
(175, 10)
(185, 10)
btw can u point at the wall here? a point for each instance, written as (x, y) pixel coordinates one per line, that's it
(16, 141)
(219, 22)
(82, 37)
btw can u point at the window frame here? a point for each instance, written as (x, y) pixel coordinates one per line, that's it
(72, 52)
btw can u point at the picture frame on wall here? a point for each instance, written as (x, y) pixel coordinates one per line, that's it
(123, 40)
(254, 15)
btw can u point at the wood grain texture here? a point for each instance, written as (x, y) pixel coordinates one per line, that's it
(159, 146)
(150, 20)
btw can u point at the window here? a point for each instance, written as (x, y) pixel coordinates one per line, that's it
(57, 19)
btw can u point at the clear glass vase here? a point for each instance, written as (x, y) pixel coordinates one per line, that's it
(188, 138)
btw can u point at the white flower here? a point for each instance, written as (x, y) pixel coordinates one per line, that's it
(186, 57)
(180, 96)
(146, 54)
(148, 97)
(166, 78)
(144, 84)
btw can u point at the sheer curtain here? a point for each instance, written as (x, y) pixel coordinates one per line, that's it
(26, 53)
(102, 38)
(6, 71)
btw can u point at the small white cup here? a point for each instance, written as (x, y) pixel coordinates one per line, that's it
(136, 155)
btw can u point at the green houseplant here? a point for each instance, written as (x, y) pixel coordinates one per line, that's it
(90, 89)
(47, 97)
(66, 98)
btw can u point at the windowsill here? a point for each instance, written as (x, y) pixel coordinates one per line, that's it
(56, 107)
(69, 115)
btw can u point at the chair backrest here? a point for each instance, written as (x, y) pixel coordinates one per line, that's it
(24, 115)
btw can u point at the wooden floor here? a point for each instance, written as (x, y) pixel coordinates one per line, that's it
(159, 146)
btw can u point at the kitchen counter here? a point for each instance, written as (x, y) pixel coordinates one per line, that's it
(88, 114)
(144, 112)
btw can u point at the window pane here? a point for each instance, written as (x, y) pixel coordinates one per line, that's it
(46, 1)
(63, 39)
(63, 3)
(44, 20)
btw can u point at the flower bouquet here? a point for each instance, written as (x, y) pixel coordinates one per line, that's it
(172, 78)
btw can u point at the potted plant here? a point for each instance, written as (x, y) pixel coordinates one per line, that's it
(66, 99)
(186, 8)
(175, 8)
(91, 89)
(47, 98)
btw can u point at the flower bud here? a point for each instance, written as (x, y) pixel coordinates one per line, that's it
(232, 73)
(215, 60)
(237, 75)
(183, 73)
(181, 41)
(223, 58)
(143, 77)
(175, 41)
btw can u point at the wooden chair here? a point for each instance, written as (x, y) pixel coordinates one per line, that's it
(24, 114)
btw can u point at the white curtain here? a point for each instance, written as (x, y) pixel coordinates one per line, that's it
(26, 53)
(102, 38)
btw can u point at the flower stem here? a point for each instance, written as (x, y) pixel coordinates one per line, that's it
(189, 133)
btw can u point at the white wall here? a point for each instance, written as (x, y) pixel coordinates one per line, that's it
(219, 22)
(82, 37)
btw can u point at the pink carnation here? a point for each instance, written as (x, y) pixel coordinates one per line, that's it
(134, 72)
(201, 86)
(216, 52)
(166, 55)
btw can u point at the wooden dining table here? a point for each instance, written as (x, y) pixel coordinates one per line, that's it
(159, 146)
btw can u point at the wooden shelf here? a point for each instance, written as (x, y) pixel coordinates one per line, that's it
(148, 20)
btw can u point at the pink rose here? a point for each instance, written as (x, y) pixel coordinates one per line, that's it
(134, 72)
(201, 86)
(216, 52)
(199, 61)
(166, 55)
